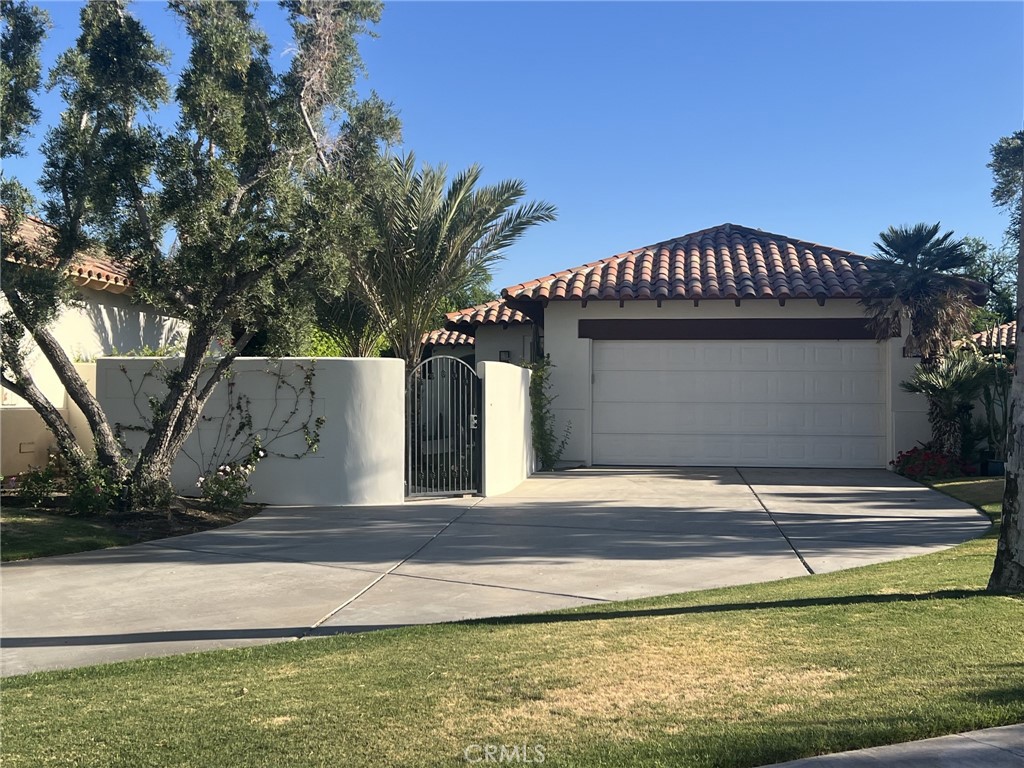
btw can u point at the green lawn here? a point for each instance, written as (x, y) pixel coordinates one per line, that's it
(986, 493)
(25, 533)
(730, 677)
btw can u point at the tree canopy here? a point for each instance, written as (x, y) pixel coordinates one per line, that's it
(917, 274)
(225, 220)
(1007, 166)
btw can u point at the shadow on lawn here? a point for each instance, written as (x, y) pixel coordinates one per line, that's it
(282, 633)
(806, 602)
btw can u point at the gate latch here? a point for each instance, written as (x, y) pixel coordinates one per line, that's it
(474, 421)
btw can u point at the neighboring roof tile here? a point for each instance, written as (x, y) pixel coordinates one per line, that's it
(445, 338)
(725, 262)
(998, 337)
(491, 313)
(88, 270)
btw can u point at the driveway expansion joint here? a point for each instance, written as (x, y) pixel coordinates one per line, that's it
(499, 586)
(776, 522)
(390, 570)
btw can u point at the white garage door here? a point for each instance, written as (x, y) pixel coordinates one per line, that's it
(739, 403)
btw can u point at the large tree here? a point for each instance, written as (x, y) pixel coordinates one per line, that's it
(252, 197)
(24, 28)
(434, 239)
(1007, 167)
(995, 267)
(912, 279)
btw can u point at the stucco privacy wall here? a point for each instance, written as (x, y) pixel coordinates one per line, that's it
(508, 444)
(572, 375)
(362, 401)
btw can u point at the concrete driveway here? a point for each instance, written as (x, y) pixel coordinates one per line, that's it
(565, 539)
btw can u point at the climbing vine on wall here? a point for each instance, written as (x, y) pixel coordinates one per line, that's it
(233, 436)
(548, 445)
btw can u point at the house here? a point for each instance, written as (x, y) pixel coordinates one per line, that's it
(451, 343)
(106, 320)
(998, 337)
(500, 332)
(728, 346)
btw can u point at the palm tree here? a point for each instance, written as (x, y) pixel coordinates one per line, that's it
(346, 319)
(951, 386)
(433, 242)
(911, 276)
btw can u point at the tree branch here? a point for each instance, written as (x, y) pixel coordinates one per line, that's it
(313, 137)
(222, 365)
(25, 388)
(107, 447)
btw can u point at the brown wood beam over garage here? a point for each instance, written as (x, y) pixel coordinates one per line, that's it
(747, 329)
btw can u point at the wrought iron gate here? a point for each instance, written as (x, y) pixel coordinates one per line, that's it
(443, 430)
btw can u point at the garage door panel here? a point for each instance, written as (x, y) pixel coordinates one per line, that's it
(725, 387)
(788, 403)
(699, 419)
(616, 355)
(736, 450)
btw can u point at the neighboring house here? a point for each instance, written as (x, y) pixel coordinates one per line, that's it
(997, 337)
(501, 333)
(729, 346)
(452, 343)
(103, 322)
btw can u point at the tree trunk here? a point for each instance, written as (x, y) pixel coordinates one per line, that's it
(1008, 572)
(108, 449)
(151, 479)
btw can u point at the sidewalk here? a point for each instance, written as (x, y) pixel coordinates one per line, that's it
(990, 748)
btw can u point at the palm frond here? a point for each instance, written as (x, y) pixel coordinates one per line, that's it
(435, 239)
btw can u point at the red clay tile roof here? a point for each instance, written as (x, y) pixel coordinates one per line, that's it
(493, 312)
(999, 337)
(445, 338)
(88, 271)
(725, 262)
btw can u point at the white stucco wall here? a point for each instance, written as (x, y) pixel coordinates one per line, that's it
(361, 456)
(572, 376)
(517, 340)
(102, 323)
(24, 439)
(508, 444)
(908, 413)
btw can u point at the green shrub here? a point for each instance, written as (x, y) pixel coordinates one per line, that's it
(38, 485)
(91, 491)
(547, 445)
(94, 491)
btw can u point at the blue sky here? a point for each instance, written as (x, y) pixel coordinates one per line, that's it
(642, 121)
